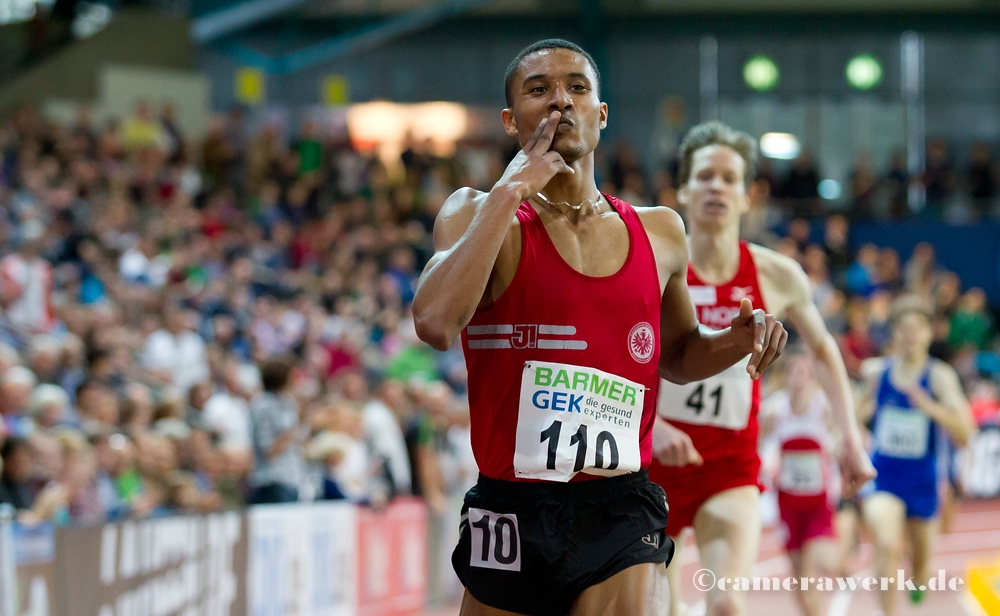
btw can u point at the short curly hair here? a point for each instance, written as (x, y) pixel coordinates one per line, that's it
(553, 43)
(717, 133)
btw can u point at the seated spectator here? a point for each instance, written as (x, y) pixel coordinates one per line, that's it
(861, 275)
(49, 406)
(15, 488)
(971, 325)
(16, 385)
(175, 353)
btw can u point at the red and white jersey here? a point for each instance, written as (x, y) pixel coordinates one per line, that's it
(806, 464)
(563, 366)
(720, 412)
(30, 283)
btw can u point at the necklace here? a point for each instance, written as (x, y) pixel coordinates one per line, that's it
(553, 207)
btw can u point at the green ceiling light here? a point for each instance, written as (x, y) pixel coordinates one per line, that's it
(863, 72)
(761, 73)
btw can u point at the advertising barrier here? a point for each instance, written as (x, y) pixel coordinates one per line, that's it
(392, 559)
(35, 560)
(318, 559)
(302, 560)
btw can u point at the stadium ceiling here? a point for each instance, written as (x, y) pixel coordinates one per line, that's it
(363, 24)
(361, 8)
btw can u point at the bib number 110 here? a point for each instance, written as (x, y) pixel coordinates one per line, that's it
(605, 440)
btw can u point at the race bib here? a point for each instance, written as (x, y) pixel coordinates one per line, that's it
(902, 433)
(801, 473)
(722, 400)
(573, 419)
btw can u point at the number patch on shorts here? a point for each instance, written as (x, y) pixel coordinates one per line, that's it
(496, 543)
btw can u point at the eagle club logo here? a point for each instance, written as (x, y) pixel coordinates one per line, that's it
(641, 343)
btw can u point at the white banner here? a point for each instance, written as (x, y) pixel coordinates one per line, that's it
(302, 560)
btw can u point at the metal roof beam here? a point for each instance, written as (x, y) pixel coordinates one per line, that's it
(238, 17)
(353, 42)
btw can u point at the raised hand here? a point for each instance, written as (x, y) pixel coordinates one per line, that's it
(536, 164)
(759, 334)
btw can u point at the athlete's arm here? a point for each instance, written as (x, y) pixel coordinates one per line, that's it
(830, 370)
(951, 409)
(468, 235)
(871, 370)
(688, 351)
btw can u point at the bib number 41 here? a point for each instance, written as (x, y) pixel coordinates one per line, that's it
(696, 400)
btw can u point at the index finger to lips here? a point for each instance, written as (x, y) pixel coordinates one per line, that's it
(533, 140)
(550, 130)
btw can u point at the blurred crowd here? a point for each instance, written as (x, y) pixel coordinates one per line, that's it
(190, 326)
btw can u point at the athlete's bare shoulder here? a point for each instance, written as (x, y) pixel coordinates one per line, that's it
(872, 367)
(665, 229)
(783, 277)
(942, 375)
(456, 216)
(776, 266)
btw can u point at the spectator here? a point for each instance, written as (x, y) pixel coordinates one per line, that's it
(16, 386)
(887, 270)
(14, 486)
(176, 354)
(801, 186)
(862, 276)
(938, 178)
(380, 418)
(971, 325)
(26, 284)
(920, 273)
(49, 406)
(863, 186)
(45, 353)
(856, 345)
(897, 185)
(838, 248)
(277, 437)
(981, 179)
(142, 131)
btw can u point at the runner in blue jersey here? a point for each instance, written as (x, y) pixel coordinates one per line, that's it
(914, 401)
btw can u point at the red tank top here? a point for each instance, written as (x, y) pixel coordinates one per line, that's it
(563, 366)
(719, 413)
(806, 474)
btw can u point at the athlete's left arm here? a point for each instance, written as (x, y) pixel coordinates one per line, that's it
(796, 301)
(688, 351)
(951, 409)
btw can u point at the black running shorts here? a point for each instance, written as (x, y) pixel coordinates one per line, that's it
(532, 548)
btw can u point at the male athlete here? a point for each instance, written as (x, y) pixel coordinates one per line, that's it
(911, 399)
(569, 303)
(706, 437)
(797, 419)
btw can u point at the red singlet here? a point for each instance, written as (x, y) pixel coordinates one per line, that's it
(719, 413)
(563, 366)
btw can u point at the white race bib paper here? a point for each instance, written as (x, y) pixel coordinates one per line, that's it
(722, 400)
(573, 419)
(902, 433)
(801, 473)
